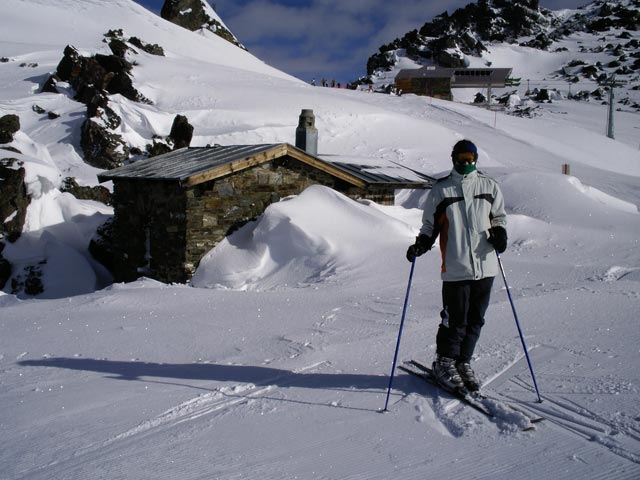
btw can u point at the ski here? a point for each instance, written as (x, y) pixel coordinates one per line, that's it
(463, 396)
(530, 414)
(476, 396)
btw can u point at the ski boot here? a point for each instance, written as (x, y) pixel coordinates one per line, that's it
(468, 376)
(446, 373)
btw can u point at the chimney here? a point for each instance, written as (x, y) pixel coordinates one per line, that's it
(307, 133)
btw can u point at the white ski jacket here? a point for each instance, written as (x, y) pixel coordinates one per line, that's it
(461, 209)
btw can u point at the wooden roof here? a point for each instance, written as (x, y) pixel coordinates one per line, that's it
(195, 165)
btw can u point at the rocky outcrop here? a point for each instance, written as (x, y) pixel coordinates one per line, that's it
(106, 73)
(151, 48)
(102, 147)
(101, 244)
(28, 281)
(14, 199)
(179, 137)
(192, 15)
(158, 147)
(5, 268)
(93, 80)
(181, 132)
(97, 193)
(9, 125)
(447, 38)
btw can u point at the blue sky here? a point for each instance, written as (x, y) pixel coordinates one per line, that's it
(328, 38)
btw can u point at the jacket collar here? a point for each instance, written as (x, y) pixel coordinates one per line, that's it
(459, 177)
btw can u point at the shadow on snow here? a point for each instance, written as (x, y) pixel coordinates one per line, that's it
(259, 376)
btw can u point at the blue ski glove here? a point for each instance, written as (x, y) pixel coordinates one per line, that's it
(498, 238)
(423, 245)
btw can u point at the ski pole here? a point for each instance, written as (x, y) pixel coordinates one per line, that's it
(395, 356)
(515, 315)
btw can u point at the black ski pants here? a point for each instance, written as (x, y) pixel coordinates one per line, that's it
(464, 305)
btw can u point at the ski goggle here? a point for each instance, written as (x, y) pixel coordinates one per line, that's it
(465, 158)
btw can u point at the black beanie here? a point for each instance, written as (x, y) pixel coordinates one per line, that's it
(465, 146)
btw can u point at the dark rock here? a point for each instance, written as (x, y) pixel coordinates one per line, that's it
(98, 74)
(153, 49)
(158, 148)
(118, 47)
(110, 118)
(52, 115)
(38, 109)
(101, 245)
(122, 83)
(581, 95)
(380, 61)
(190, 14)
(5, 269)
(70, 65)
(29, 282)
(9, 124)
(115, 34)
(449, 59)
(598, 93)
(542, 95)
(101, 147)
(590, 70)
(93, 98)
(113, 63)
(97, 193)
(181, 132)
(51, 85)
(90, 73)
(10, 149)
(14, 199)
(541, 42)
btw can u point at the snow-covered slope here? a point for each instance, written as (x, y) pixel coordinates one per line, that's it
(53, 25)
(277, 364)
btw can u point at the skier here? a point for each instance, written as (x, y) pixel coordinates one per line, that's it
(466, 209)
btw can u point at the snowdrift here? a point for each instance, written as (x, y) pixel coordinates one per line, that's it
(303, 240)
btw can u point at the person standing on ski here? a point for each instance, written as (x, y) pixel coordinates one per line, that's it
(466, 210)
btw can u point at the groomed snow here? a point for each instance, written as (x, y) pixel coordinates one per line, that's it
(275, 362)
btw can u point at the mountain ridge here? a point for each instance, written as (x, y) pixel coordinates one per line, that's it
(466, 37)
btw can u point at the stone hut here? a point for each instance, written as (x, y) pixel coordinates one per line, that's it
(170, 210)
(437, 82)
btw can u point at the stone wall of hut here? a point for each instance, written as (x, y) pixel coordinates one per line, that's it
(149, 230)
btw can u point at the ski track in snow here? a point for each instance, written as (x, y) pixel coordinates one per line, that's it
(620, 437)
(579, 433)
(204, 405)
(566, 416)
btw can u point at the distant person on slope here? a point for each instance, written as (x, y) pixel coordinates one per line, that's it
(466, 209)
